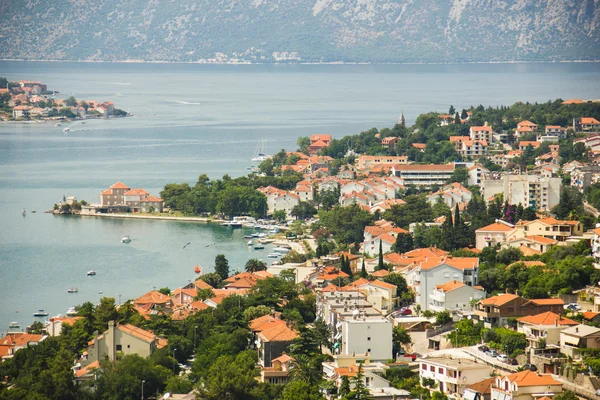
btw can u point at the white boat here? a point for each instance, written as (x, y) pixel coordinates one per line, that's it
(274, 255)
(91, 273)
(262, 235)
(66, 130)
(125, 239)
(57, 125)
(23, 213)
(250, 242)
(14, 325)
(281, 250)
(40, 313)
(73, 290)
(71, 311)
(260, 152)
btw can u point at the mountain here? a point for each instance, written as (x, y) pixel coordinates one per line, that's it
(317, 30)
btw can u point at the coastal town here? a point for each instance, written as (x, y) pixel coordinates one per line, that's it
(27, 101)
(458, 258)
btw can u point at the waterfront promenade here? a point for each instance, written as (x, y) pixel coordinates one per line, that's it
(155, 217)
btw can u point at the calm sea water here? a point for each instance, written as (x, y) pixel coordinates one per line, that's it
(189, 120)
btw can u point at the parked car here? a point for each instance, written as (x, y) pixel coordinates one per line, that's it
(405, 311)
(530, 367)
(502, 358)
(512, 361)
(492, 353)
(483, 349)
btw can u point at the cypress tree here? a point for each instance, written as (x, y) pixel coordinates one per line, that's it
(363, 270)
(380, 264)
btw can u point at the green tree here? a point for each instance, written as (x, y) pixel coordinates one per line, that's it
(360, 391)
(363, 270)
(303, 210)
(443, 318)
(179, 385)
(404, 243)
(105, 311)
(347, 224)
(222, 266)
(301, 390)
(307, 369)
(380, 264)
(231, 378)
(166, 291)
(279, 215)
(255, 265)
(214, 279)
(344, 389)
(203, 294)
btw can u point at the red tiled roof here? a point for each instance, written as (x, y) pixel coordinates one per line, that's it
(530, 378)
(495, 227)
(499, 300)
(88, 368)
(547, 318)
(119, 185)
(278, 333)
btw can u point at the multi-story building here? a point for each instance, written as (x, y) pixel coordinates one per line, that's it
(550, 228)
(497, 310)
(426, 175)
(368, 162)
(484, 133)
(318, 142)
(356, 327)
(493, 234)
(452, 375)
(596, 246)
(529, 190)
(586, 124)
(577, 338)
(431, 272)
(546, 326)
(454, 296)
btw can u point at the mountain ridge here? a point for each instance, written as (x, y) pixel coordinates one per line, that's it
(378, 31)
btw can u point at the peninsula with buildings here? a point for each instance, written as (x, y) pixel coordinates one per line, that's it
(458, 258)
(31, 101)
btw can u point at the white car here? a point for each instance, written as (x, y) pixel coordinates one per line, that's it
(502, 357)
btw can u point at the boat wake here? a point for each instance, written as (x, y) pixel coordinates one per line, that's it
(120, 83)
(187, 103)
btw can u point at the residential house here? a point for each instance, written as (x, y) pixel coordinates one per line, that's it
(453, 375)
(493, 234)
(15, 341)
(539, 244)
(497, 310)
(576, 338)
(381, 295)
(122, 340)
(155, 299)
(431, 272)
(549, 227)
(546, 326)
(454, 296)
(586, 124)
(279, 371)
(318, 142)
(389, 142)
(451, 195)
(278, 199)
(272, 337)
(552, 133)
(523, 145)
(114, 195)
(525, 385)
(55, 324)
(477, 173)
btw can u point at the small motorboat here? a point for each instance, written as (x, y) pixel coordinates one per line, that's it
(281, 250)
(250, 242)
(73, 290)
(33, 211)
(198, 269)
(100, 292)
(248, 236)
(66, 130)
(91, 273)
(125, 239)
(40, 313)
(259, 247)
(14, 325)
(71, 311)
(57, 125)
(273, 255)
(23, 213)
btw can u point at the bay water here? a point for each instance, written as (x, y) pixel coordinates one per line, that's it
(191, 119)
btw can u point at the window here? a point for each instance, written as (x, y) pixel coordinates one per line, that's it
(369, 339)
(440, 370)
(423, 366)
(368, 350)
(432, 368)
(119, 347)
(128, 346)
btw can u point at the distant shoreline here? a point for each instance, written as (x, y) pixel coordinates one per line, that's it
(307, 62)
(158, 217)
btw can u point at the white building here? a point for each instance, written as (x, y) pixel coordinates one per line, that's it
(493, 234)
(454, 296)
(423, 175)
(481, 133)
(452, 375)
(529, 190)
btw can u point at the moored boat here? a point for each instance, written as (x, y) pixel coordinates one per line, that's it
(71, 311)
(73, 290)
(40, 313)
(125, 239)
(91, 273)
(259, 247)
(274, 255)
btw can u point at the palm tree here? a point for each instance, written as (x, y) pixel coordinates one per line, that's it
(306, 369)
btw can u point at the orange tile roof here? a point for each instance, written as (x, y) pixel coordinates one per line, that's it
(450, 286)
(461, 263)
(495, 227)
(381, 273)
(135, 192)
(357, 283)
(198, 305)
(573, 101)
(529, 264)
(425, 252)
(20, 339)
(419, 145)
(320, 136)
(530, 378)
(346, 371)
(200, 284)
(383, 285)
(153, 297)
(547, 318)
(547, 302)
(279, 333)
(119, 185)
(386, 237)
(329, 276)
(87, 369)
(483, 387)
(265, 322)
(499, 300)
(283, 358)
(590, 315)
(528, 251)
(481, 128)
(541, 239)
(590, 121)
(139, 333)
(65, 320)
